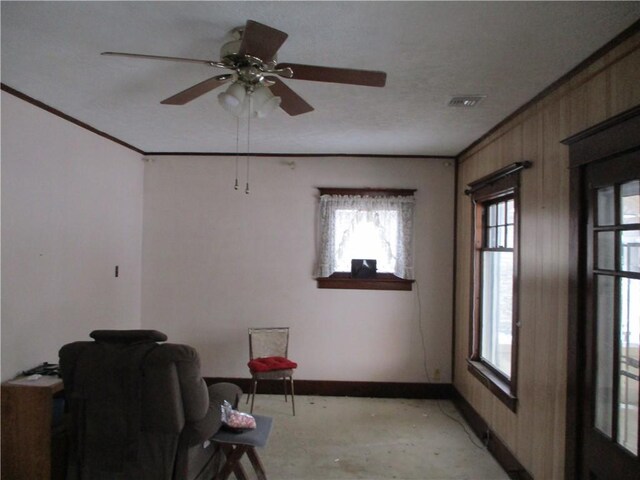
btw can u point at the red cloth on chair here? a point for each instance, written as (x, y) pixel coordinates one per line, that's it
(269, 364)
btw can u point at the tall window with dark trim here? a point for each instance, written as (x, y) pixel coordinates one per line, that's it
(496, 284)
(494, 318)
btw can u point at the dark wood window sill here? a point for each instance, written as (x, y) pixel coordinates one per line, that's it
(382, 281)
(494, 383)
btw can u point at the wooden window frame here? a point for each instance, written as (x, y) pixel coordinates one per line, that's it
(382, 281)
(500, 186)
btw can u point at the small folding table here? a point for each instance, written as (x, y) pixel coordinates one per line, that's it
(235, 445)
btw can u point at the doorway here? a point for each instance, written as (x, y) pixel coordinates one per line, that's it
(604, 324)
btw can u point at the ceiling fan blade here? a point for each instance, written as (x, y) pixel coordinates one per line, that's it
(197, 90)
(261, 41)
(172, 59)
(291, 102)
(316, 73)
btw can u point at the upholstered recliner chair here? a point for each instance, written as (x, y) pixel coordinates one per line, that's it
(139, 410)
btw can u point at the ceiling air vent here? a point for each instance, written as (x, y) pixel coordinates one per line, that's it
(466, 100)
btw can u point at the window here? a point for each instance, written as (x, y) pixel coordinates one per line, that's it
(494, 317)
(616, 273)
(366, 224)
(496, 286)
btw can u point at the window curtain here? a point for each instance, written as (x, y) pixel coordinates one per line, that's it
(388, 222)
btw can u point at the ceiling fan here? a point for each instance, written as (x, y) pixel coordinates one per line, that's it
(251, 56)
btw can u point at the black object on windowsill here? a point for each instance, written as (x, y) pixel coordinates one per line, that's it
(361, 268)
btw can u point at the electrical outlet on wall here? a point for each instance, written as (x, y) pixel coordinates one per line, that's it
(436, 374)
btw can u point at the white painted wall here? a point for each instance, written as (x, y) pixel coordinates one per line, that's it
(217, 261)
(71, 212)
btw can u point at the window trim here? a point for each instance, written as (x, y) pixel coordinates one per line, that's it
(504, 183)
(368, 192)
(382, 281)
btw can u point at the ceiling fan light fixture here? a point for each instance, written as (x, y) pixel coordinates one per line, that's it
(264, 102)
(233, 99)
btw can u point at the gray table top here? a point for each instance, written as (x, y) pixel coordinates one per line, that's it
(256, 438)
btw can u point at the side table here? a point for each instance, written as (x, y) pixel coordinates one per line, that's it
(235, 445)
(30, 448)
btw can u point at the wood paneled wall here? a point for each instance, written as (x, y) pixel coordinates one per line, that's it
(606, 87)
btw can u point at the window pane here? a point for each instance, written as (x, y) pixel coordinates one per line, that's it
(492, 239)
(510, 211)
(606, 206)
(604, 353)
(497, 303)
(510, 230)
(630, 251)
(501, 237)
(492, 217)
(362, 234)
(605, 243)
(629, 359)
(502, 215)
(630, 201)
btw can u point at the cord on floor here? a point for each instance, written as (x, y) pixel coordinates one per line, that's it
(426, 371)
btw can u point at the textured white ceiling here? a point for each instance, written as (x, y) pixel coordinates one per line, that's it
(509, 51)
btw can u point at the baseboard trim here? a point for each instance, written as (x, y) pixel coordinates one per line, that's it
(347, 389)
(495, 446)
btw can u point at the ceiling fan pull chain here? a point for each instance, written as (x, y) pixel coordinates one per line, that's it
(235, 187)
(248, 142)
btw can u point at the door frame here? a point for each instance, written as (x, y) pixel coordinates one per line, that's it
(614, 137)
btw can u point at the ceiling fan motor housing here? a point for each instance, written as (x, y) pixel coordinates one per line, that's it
(250, 70)
(230, 49)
